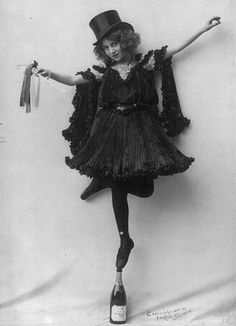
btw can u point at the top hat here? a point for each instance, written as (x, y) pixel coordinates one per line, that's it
(107, 21)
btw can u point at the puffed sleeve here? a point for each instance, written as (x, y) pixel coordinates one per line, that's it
(95, 73)
(154, 58)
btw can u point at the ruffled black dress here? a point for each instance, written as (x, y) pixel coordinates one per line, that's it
(127, 139)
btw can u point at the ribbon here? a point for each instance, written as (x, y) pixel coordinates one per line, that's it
(35, 89)
(25, 90)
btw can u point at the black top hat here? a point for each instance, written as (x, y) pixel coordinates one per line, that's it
(105, 22)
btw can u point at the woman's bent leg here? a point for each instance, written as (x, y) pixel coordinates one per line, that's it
(96, 185)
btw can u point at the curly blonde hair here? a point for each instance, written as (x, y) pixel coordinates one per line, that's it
(128, 39)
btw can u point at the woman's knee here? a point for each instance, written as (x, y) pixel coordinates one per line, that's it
(143, 190)
(148, 190)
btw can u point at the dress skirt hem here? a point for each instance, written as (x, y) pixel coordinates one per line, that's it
(107, 172)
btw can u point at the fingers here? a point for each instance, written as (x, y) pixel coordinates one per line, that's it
(215, 21)
(40, 71)
(215, 24)
(35, 71)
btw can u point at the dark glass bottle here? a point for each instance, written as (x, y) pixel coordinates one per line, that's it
(118, 302)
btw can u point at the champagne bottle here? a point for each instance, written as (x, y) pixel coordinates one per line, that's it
(118, 301)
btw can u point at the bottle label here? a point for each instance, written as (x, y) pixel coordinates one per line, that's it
(118, 313)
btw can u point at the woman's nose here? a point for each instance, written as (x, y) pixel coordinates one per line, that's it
(112, 50)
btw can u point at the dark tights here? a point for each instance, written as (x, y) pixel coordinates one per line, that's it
(141, 188)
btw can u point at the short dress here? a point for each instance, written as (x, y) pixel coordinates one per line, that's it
(127, 139)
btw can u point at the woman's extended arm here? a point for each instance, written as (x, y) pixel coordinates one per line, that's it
(64, 79)
(212, 23)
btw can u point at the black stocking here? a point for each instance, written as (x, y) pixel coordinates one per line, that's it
(121, 209)
(141, 187)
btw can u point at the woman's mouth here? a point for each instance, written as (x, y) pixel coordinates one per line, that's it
(115, 56)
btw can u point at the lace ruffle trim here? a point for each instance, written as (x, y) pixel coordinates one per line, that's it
(149, 61)
(152, 172)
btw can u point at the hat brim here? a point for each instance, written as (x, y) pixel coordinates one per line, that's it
(122, 25)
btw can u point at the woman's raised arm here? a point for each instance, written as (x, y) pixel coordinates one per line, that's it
(70, 80)
(210, 24)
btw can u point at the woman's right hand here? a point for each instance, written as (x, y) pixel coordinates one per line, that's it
(42, 72)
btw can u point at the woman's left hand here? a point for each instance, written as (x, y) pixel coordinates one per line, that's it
(212, 23)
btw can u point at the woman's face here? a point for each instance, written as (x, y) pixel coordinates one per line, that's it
(114, 51)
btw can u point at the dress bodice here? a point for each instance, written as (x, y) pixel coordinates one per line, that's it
(137, 87)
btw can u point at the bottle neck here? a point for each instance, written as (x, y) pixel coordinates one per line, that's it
(119, 278)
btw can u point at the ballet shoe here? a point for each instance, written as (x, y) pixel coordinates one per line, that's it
(95, 186)
(123, 253)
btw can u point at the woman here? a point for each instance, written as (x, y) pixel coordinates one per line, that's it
(122, 142)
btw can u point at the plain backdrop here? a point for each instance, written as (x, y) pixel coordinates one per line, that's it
(57, 251)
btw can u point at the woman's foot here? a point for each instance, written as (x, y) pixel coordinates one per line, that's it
(122, 257)
(95, 185)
